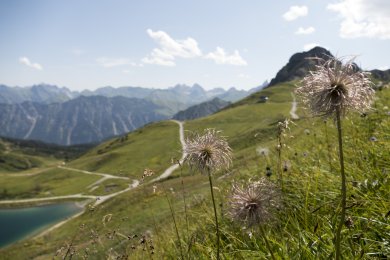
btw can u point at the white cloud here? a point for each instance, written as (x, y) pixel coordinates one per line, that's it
(27, 62)
(363, 18)
(169, 49)
(221, 57)
(159, 57)
(294, 12)
(115, 62)
(309, 46)
(305, 31)
(243, 76)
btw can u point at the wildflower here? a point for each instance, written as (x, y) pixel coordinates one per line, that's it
(335, 86)
(286, 166)
(209, 151)
(349, 222)
(147, 173)
(253, 204)
(283, 126)
(331, 90)
(262, 151)
(373, 139)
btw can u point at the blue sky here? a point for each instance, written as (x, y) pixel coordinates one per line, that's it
(86, 44)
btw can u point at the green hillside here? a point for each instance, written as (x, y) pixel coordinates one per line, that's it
(304, 224)
(50, 182)
(14, 159)
(18, 155)
(152, 147)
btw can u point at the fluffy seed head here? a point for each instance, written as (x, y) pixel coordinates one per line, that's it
(263, 151)
(254, 204)
(335, 85)
(209, 151)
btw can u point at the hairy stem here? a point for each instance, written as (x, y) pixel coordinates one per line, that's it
(279, 149)
(174, 222)
(266, 242)
(215, 210)
(185, 205)
(184, 197)
(343, 187)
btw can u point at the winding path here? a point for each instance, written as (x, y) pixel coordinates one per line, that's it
(293, 111)
(100, 199)
(171, 169)
(105, 176)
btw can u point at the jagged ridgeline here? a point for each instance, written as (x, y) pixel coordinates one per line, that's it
(57, 115)
(138, 223)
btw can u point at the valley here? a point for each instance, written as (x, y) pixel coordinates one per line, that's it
(138, 188)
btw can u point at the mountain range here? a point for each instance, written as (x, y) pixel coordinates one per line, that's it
(58, 115)
(77, 121)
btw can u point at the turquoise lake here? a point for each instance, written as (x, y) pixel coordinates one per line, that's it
(19, 223)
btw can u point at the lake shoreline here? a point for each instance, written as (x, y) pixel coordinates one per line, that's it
(76, 209)
(18, 205)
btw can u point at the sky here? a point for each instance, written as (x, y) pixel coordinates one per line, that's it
(87, 44)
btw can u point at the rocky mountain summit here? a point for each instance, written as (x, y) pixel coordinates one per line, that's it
(299, 65)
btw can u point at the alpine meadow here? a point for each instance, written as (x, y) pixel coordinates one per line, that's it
(297, 167)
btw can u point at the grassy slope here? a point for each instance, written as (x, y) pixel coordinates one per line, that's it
(18, 155)
(127, 156)
(15, 159)
(152, 147)
(306, 223)
(51, 182)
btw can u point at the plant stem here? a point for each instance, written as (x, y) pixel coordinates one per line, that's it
(343, 186)
(280, 158)
(174, 222)
(215, 210)
(266, 242)
(185, 206)
(328, 147)
(184, 197)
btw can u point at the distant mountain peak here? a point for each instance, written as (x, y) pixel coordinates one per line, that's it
(299, 65)
(196, 85)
